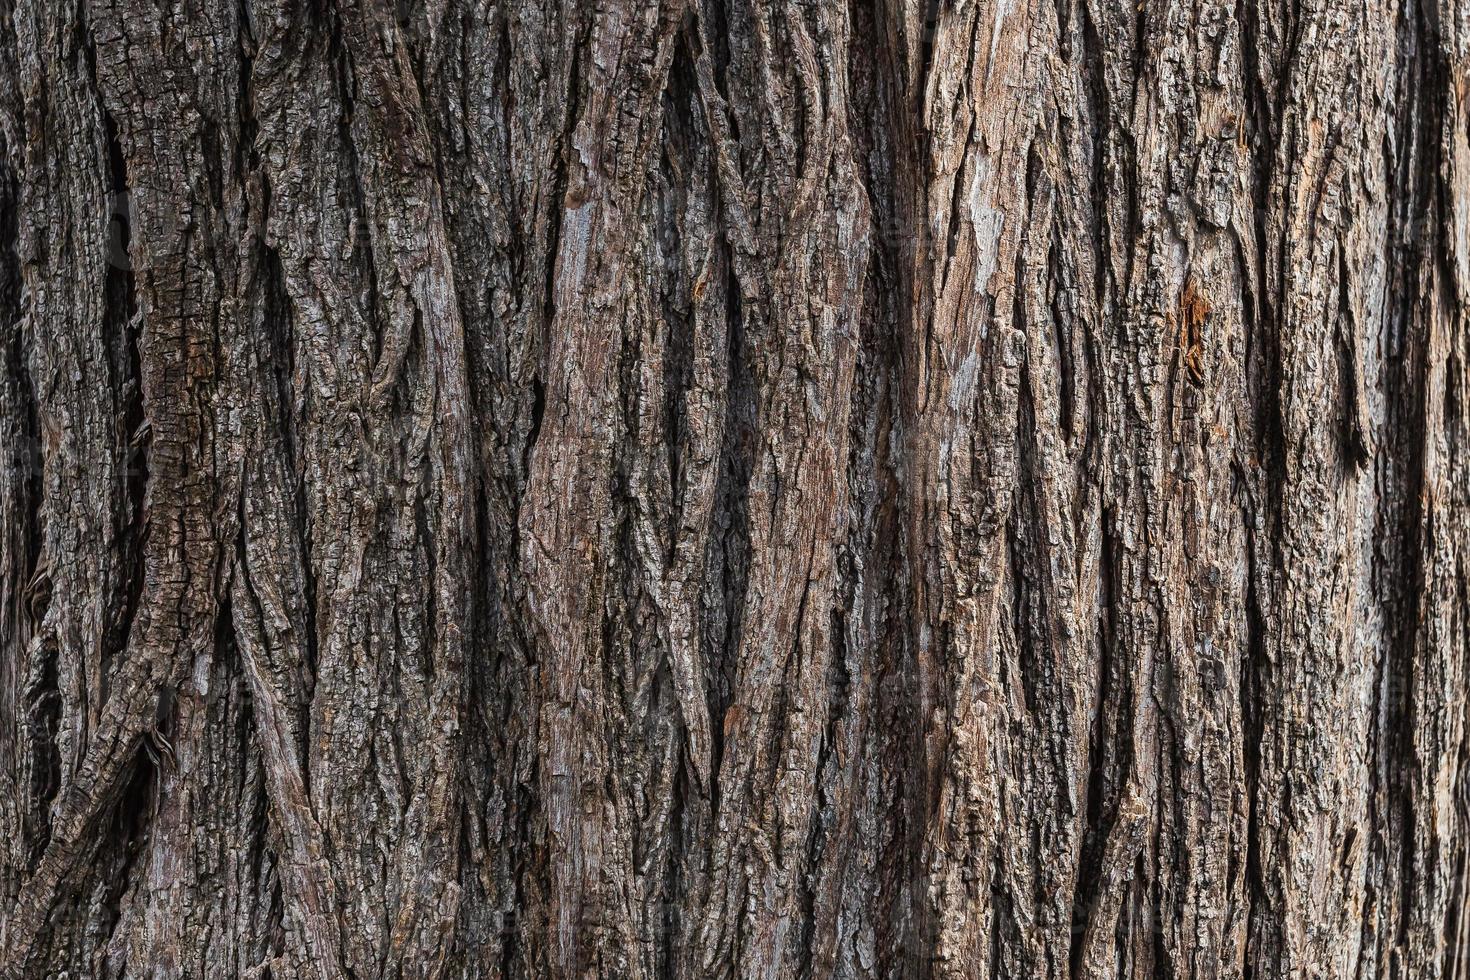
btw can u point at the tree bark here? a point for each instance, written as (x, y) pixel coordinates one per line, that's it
(703, 488)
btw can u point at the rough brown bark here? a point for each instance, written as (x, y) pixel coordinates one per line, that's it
(721, 489)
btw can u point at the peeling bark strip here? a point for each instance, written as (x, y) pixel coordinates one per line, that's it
(714, 489)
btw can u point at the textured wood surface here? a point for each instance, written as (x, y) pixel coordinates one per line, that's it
(713, 489)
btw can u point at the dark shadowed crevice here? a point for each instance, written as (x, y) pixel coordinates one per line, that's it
(557, 186)
(279, 320)
(282, 418)
(1255, 515)
(1028, 603)
(1260, 478)
(1101, 801)
(1005, 931)
(264, 865)
(30, 703)
(1248, 686)
(1407, 527)
(827, 824)
(959, 189)
(1356, 439)
(247, 154)
(43, 706)
(720, 32)
(124, 845)
(557, 189)
(538, 415)
(729, 546)
(928, 30)
(426, 524)
(1062, 338)
(682, 134)
(25, 595)
(122, 332)
(1091, 68)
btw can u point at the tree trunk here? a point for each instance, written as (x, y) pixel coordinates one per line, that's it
(699, 489)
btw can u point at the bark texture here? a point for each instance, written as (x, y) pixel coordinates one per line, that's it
(735, 488)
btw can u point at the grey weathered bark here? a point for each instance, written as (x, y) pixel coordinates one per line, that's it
(711, 488)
